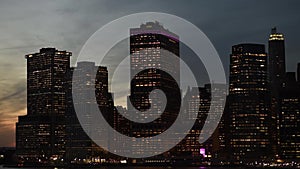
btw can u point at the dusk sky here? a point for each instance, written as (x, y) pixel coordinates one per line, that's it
(27, 26)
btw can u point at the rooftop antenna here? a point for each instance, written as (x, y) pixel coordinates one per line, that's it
(274, 30)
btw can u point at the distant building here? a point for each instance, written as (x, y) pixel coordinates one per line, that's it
(276, 75)
(190, 148)
(122, 125)
(249, 105)
(276, 58)
(80, 147)
(289, 119)
(41, 135)
(7, 156)
(223, 152)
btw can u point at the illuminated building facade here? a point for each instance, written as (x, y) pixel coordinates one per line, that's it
(276, 70)
(190, 146)
(276, 58)
(122, 125)
(222, 154)
(41, 135)
(80, 148)
(249, 104)
(289, 119)
(151, 45)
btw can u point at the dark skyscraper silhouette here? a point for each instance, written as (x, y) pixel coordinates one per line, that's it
(249, 109)
(79, 144)
(190, 146)
(289, 115)
(276, 58)
(40, 135)
(149, 47)
(152, 45)
(276, 75)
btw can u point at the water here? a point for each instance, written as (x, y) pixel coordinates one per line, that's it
(1, 167)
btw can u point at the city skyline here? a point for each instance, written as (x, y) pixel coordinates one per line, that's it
(49, 95)
(13, 95)
(248, 88)
(261, 112)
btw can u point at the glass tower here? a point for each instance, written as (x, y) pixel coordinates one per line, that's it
(248, 98)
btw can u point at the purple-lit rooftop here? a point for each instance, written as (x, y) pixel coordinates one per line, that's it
(153, 28)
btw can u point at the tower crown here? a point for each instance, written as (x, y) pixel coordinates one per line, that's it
(275, 35)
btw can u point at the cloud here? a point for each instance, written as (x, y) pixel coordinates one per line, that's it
(17, 91)
(12, 105)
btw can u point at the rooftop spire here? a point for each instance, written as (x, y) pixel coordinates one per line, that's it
(275, 35)
(274, 30)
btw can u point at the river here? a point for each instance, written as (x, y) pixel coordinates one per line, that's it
(1, 167)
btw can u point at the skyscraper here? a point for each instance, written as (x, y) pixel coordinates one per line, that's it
(289, 119)
(276, 58)
(276, 75)
(80, 147)
(40, 135)
(249, 104)
(154, 51)
(190, 146)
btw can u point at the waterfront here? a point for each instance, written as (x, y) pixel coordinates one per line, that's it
(105, 167)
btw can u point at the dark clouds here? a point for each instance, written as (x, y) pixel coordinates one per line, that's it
(26, 26)
(12, 105)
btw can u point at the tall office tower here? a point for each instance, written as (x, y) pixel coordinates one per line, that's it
(80, 148)
(289, 123)
(276, 58)
(189, 148)
(121, 124)
(276, 71)
(249, 104)
(223, 153)
(154, 51)
(40, 135)
(151, 45)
